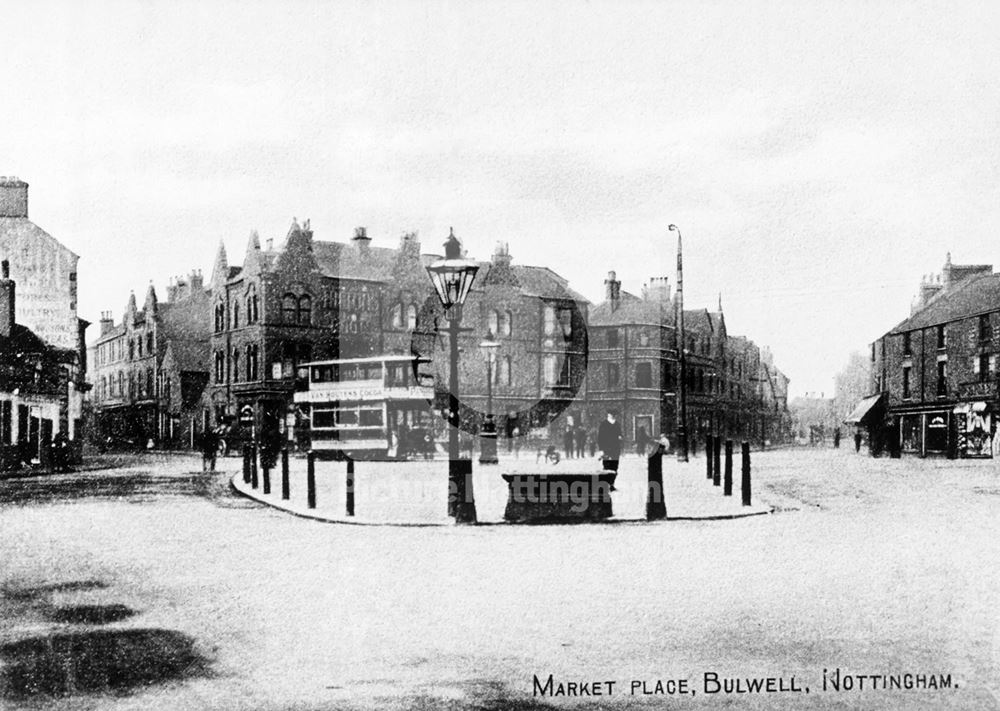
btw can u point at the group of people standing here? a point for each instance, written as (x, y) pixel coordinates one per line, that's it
(575, 442)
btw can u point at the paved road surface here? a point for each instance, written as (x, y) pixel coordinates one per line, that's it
(869, 566)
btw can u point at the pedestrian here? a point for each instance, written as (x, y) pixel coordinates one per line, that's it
(592, 436)
(609, 439)
(857, 441)
(581, 441)
(516, 436)
(209, 449)
(836, 438)
(568, 441)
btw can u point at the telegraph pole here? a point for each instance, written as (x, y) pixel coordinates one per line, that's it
(682, 440)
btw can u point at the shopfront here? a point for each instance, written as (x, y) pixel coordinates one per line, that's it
(976, 429)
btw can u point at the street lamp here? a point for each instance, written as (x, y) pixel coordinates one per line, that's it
(452, 278)
(682, 441)
(488, 447)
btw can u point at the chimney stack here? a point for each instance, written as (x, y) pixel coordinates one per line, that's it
(361, 239)
(13, 197)
(612, 290)
(196, 281)
(7, 303)
(107, 322)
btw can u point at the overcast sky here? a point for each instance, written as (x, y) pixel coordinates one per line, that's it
(819, 158)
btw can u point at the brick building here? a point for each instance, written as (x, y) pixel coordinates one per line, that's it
(935, 373)
(34, 386)
(314, 300)
(150, 370)
(46, 275)
(732, 387)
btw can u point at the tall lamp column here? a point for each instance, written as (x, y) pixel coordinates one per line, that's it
(452, 278)
(682, 438)
(488, 435)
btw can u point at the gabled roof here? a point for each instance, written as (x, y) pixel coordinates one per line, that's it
(974, 296)
(23, 228)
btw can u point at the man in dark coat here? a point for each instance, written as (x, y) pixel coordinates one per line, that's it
(609, 439)
(209, 449)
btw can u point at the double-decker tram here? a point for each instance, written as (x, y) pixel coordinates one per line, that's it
(371, 408)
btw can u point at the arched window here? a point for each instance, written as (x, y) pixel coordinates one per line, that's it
(506, 321)
(138, 346)
(149, 342)
(252, 368)
(236, 314)
(305, 310)
(289, 308)
(220, 366)
(252, 304)
(150, 390)
(131, 349)
(220, 317)
(397, 316)
(411, 316)
(236, 365)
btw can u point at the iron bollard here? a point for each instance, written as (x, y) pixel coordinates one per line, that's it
(656, 505)
(350, 486)
(285, 484)
(246, 465)
(708, 456)
(253, 466)
(266, 470)
(717, 457)
(311, 479)
(727, 482)
(745, 485)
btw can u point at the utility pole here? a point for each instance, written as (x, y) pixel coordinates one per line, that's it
(682, 440)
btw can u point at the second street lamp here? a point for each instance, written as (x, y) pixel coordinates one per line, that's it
(488, 436)
(452, 278)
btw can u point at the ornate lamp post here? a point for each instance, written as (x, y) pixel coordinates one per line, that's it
(682, 440)
(488, 447)
(452, 278)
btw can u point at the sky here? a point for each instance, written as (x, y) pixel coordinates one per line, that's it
(819, 158)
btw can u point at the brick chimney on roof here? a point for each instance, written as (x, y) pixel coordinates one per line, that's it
(613, 290)
(7, 304)
(13, 197)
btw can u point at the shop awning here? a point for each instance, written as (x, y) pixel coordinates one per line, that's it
(864, 411)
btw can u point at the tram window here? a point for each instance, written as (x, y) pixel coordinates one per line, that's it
(348, 372)
(324, 418)
(371, 418)
(373, 371)
(347, 417)
(316, 375)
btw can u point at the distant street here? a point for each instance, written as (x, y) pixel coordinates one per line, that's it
(875, 567)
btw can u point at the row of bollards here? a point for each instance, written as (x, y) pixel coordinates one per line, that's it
(250, 476)
(656, 507)
(718, 474)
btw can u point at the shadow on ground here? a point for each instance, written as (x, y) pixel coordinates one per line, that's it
(116, 661)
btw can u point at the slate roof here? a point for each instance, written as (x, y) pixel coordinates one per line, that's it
(632, 310)
(977, 295)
